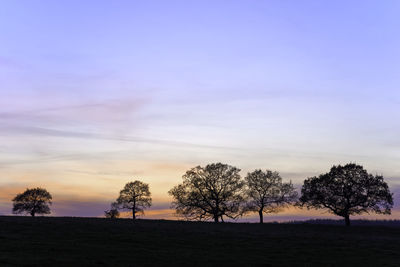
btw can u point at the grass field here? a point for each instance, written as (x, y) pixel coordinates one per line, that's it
(52, 241)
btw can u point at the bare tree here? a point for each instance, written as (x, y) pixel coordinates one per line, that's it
(209, 192)
(266, 193)
(113, 212)
(347, 190)
(33, 201)
(135, 196)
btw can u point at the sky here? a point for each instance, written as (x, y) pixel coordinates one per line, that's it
(94, 94)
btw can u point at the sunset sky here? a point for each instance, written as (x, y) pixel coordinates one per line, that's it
(94, 94)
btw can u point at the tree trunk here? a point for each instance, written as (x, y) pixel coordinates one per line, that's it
(134, 210)
(347, 220)
(216, 218)
(260, 212)
(32, 213)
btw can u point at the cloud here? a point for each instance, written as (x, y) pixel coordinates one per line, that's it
(41, 131)
(8, 62)
(110, 110)
(110, 120)
(106, 173)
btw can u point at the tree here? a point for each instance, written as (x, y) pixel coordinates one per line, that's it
(347, 190)
(209, 192)
(266, 193)
(113, 212)
(33, 201)
(135, 196)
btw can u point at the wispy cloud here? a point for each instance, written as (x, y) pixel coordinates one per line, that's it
(110, 110)
(8, 62)
(46, 132)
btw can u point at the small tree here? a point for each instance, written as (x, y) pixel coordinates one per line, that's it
(266, 193)
(113, 212)
(135, 197)
(209, 192)
(33, 201)
(347, 190)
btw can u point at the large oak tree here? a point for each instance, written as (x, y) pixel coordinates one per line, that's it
(33, 201)
(209, 192)
(347, 190)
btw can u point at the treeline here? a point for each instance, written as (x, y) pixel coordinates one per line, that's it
(217, 191)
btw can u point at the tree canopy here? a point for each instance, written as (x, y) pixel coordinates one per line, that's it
(209, 192)
(33, 201)
(135, 196)
(266, 193)
(347, 190)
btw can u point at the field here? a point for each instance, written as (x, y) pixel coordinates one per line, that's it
(52, 241)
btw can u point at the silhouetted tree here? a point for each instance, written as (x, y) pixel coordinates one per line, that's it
(33, 201)
(209, 192)
(266, 193)
(135, 197)
(113, 212)
(347, 190)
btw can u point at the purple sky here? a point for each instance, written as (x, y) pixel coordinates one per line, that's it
(94, 94)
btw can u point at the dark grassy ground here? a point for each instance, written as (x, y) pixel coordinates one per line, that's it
(88, 241)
